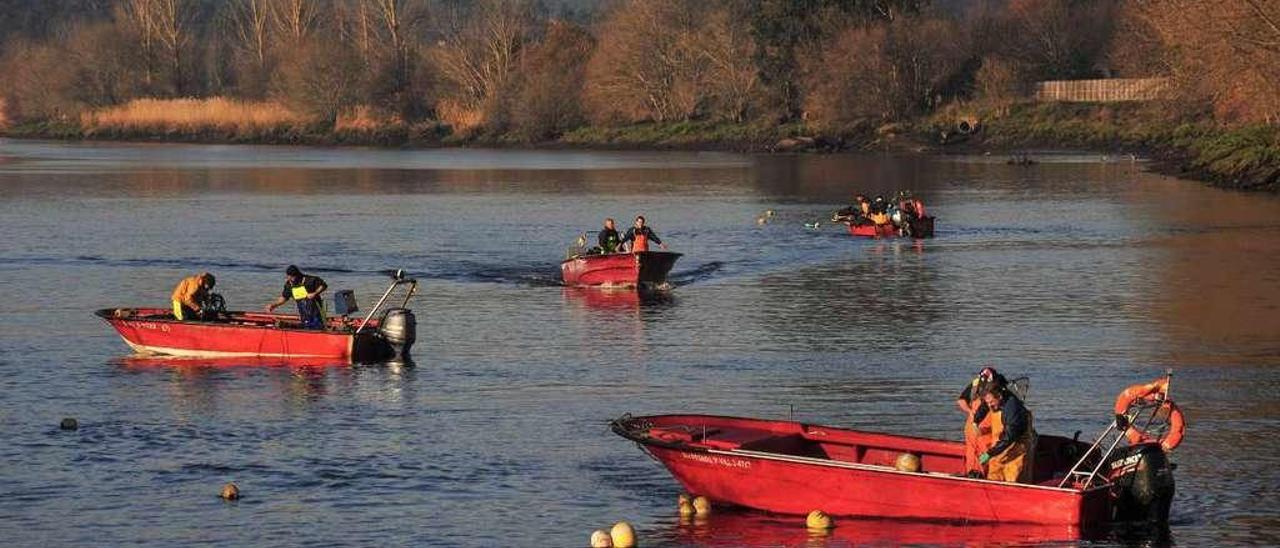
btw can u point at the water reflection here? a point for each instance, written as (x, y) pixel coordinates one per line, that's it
(739, 527)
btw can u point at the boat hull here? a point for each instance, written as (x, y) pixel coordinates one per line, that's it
(920, 228)
(244, 335)
(646, 268)
(791, 468)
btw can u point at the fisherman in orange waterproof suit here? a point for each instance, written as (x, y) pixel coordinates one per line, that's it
(977, 436)
(639, 237)
(1010, 457)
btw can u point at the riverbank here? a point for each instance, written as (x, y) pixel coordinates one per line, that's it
(1244, 158)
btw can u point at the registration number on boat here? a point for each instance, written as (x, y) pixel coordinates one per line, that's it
(148, 325)
(717, 460)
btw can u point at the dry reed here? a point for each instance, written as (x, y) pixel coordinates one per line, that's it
(461, 118)
(361, 119)
(193, 116)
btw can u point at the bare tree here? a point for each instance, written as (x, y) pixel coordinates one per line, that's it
(1225, 55)
(139, 17)
(644, 67)
(549, 101)
(163, 30)
(295, 19)
(251, 26)
(728, 49)
(478, 56)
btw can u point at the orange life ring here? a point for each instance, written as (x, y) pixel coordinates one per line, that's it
(1151, 393)
(1172, 438)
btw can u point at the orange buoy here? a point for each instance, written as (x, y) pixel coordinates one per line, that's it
(230, 492)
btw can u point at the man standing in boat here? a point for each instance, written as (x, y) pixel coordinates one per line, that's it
(608, 238)
(189, 294)
(304, 290)
(977, 436)
(1009, 458)
(639, 237)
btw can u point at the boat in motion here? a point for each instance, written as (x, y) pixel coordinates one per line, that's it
(386, 333)
(641, 269)
(793, 468)
(915, 228)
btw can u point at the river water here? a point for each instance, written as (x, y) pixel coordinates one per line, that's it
(1082, 272)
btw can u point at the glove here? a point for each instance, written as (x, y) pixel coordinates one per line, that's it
(1122, 422)
(983, 458)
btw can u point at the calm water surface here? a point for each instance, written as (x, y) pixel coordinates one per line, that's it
(1084, 274)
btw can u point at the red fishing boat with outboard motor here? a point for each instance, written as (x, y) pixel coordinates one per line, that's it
(791, 467)
(385, 333)
(639, 269)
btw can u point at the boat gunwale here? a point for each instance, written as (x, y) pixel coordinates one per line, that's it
(106, 315)
(616, 426)
(586, 256)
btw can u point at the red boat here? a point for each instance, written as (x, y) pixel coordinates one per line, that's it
(918, 228)
(645, 268)
(235, 334)
(793, 468)
(873, 231)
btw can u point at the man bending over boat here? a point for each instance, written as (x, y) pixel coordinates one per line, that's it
(1009, 458)
(304, 290)
(639, 237)
(189, 295)
(977, 435)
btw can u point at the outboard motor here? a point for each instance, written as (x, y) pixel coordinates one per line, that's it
(1143, 484)
(399, 327)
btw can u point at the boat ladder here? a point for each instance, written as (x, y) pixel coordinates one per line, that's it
(1081, 474)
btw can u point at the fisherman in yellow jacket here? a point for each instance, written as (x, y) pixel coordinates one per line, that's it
(1010, 457)
(190, 293)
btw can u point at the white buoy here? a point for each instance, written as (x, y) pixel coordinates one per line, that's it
(601, 539)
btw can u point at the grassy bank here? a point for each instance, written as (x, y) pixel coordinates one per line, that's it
(1243, 158)
(1246, 158)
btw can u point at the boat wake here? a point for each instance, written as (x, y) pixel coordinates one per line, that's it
(700, 273)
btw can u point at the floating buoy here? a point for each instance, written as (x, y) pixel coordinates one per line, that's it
(907, 462)
(601, 539)
(230, 492)
(702, 505)
(819, 521)
(622, 535)
(69, 424)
